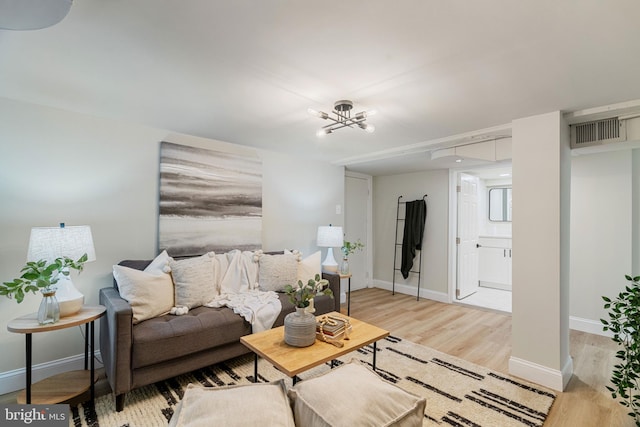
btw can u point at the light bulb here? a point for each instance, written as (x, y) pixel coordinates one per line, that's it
(323, 132)
(317, 113)
(369, 128)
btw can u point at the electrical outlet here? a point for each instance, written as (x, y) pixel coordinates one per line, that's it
(338, 209)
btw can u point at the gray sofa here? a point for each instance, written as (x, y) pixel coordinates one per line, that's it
(166, 346)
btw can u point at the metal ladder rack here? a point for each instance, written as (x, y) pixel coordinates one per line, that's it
(395, 252)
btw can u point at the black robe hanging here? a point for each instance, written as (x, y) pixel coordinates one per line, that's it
(415, 216)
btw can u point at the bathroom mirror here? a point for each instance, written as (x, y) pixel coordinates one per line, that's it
(500, 204)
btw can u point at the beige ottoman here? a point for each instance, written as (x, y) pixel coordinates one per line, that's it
(263, 404)
(352, 395)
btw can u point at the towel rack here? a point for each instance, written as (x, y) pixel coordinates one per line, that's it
(395, 252)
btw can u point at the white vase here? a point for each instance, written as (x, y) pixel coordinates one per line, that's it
(300, 328)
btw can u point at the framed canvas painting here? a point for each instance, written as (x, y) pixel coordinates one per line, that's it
(209, 201)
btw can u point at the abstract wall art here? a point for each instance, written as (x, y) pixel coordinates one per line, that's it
(209, 201)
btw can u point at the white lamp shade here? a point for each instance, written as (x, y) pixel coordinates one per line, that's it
(49, 243)
(329, 236)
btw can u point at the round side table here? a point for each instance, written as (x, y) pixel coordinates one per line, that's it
(66, 385)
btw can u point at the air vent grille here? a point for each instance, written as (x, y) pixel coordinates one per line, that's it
(597, 133)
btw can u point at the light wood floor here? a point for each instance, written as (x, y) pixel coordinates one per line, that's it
(484, 338)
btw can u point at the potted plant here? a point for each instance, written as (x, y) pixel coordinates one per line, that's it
(347, 249)
(624, 323)
(300, 326)
(43, 276)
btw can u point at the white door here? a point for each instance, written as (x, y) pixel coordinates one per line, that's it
(467, 235)
(356, 226)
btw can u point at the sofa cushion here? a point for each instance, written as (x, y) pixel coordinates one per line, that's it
(194, 280)
(170, 337)
(149, 294)
(353, 395)
(277, 271)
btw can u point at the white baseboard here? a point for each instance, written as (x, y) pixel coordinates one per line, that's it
(411, 290)
(588, 325)
(548, 377)
(15, 380)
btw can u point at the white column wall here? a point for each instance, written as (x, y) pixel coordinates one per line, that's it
(541, 189)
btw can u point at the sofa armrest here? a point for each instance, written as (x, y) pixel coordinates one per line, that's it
(116, 338)
(334, 284)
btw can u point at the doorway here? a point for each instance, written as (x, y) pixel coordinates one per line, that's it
(482, 250)
(358, 226)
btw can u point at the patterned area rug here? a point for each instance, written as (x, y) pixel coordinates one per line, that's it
(458, 393)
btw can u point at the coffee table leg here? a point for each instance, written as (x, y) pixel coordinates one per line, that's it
(374, 354)
(255, 368)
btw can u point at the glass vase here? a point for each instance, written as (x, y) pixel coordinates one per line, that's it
(49, 311)
(300, 328)
(344, 267)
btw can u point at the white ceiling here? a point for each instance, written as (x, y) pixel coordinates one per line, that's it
(245, 71)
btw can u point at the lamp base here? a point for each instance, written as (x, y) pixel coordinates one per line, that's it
(69, 298)
(329, 263)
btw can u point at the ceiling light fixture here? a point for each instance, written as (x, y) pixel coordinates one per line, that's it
(342, 119)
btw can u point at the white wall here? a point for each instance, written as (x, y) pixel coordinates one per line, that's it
(601, 233)
(58, 166)
(412, 186)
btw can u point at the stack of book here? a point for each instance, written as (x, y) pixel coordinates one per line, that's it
(331, 327)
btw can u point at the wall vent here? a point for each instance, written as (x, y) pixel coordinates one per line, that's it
(598, 132)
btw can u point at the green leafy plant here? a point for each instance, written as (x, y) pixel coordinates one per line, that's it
(624, 324)
(302, 293)
(350, 247)
(40, 275)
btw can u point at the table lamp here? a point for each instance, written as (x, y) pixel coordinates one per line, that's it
(329, 237)
(49, 243)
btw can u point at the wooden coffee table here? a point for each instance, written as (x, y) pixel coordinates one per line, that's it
(291, 360)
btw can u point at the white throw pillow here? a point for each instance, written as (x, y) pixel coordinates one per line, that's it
(309, 267)
(277, 271)
(149, 294)
(194, 280)
(160, 264)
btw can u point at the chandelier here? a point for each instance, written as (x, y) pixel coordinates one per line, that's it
(342, 119)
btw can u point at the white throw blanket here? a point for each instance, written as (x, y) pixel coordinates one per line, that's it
(239, 291)
(259, 308)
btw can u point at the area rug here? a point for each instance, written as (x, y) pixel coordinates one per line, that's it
(458, 393)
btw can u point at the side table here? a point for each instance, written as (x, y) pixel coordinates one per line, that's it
(64, 386)
(347, 276)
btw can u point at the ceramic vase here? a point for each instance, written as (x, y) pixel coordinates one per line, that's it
(300, 328)
(49, 311)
